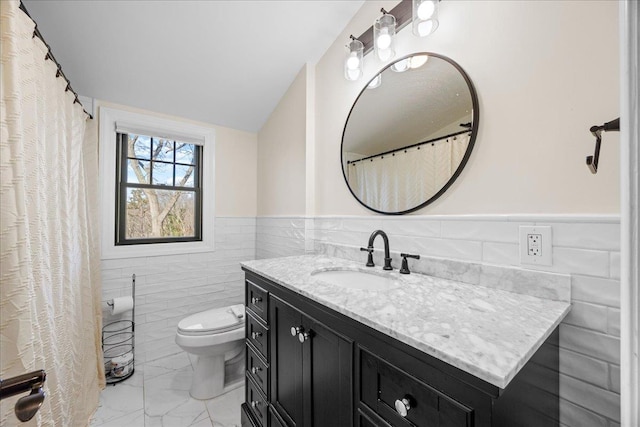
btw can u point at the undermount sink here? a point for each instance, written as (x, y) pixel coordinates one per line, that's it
(353, 279)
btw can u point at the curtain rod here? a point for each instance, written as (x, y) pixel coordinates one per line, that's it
(49, 55)
(409, 146)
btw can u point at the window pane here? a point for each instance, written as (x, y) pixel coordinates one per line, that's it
(162, 149)
(144, 209)
(162, 173)
(137, 171)
(185, 153)
(184, 176)
(139, 146)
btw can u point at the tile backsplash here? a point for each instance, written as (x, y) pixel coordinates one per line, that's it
(585, 247)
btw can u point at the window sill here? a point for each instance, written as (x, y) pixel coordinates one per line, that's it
(138, 251)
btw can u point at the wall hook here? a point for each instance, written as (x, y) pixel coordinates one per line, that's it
(592, 161)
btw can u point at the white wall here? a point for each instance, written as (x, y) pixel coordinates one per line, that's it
(544, 73)
(281, 154)
(168, 288)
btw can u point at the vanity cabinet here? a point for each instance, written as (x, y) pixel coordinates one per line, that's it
(319, 368)
(310, 369)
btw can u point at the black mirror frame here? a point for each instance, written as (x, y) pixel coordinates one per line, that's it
(474, 132)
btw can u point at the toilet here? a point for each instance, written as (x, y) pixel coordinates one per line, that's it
(216, 337)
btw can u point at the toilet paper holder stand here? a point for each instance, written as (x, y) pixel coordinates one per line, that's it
(118, 344)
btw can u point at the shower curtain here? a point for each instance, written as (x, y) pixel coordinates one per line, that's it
(395, 183)
(50, 315)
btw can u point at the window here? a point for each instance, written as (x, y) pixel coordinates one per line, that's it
(158, 190)
(156, 185)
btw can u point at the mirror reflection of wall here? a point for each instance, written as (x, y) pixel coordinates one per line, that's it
(408, 135)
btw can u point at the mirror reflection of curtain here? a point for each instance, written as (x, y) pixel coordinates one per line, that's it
(399, 182)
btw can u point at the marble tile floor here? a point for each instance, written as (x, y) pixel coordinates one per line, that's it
(157, 395)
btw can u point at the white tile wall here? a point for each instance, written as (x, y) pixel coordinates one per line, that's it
(168, 288)
(280, 236)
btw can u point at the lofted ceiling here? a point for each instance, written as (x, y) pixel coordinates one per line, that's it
(221, 62)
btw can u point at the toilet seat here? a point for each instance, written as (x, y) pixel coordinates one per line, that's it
(213, 321)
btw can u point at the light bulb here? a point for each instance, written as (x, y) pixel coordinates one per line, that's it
(384, 39)
(418, 61)
(424, 17)
(426, 9)
(353, 62)
(425, 28)
(377, 80)
(353, 74)
(401, 66)
(385, 54)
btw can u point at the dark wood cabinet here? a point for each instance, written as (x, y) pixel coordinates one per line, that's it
(311, 369)
(311, 366)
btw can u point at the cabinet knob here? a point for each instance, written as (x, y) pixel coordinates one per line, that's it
(403, 406)
(255, 335)
(255, 300)
(303, 336)
(255, 370)
(295, 330)
(255, 403)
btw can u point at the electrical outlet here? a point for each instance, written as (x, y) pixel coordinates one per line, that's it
(535, 245)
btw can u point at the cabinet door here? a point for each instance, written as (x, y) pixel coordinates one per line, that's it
(286, 362)
(327, 375)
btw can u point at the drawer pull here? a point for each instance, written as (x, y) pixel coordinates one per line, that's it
(255, 403)
(295, 330)
(303, 336)
(255, 335)
(255, 300)
(403, 406)
(255, 370)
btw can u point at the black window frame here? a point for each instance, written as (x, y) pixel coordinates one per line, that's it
(122, 186)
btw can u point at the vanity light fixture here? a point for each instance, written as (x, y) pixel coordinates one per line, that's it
(353, 61)
(380, 37)
(384, 34)
(424, 17)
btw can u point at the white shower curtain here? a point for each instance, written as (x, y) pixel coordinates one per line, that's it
(50, 316)
(395, 183)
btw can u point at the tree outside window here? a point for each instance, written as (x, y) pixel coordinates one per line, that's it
(159, 194)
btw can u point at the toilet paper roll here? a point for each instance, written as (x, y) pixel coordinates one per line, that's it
(121, 304)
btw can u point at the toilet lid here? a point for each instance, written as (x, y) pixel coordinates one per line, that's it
(214, 320)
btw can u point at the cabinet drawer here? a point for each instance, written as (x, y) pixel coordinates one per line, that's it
(257, 370)
(257, 299)
(257, 334)
(257, 403)
(388, 391)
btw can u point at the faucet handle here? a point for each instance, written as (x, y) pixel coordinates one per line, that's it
(369, 257)
(405, 265)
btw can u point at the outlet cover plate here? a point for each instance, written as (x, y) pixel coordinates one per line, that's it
(536, 245)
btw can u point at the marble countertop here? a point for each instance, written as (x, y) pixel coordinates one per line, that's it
(489, 333)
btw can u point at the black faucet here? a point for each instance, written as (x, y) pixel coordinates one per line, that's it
(405, 265)
(369, 248)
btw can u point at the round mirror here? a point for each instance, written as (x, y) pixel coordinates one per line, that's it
(409, 133)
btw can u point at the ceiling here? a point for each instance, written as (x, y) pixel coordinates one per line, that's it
(221, 62)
